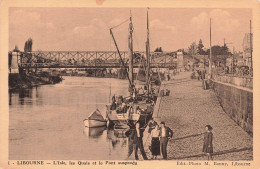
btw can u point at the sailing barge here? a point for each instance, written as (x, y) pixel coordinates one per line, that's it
(137, 107)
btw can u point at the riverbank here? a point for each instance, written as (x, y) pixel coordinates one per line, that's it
(119, 74)
(17, 81)
(186, 111)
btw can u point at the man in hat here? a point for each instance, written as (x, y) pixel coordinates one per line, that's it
(165, 134)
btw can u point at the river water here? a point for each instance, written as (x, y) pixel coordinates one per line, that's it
(46, 122)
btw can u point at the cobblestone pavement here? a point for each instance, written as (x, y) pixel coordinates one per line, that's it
(186, 111)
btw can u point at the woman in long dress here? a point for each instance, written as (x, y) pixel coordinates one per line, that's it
(208, 145)
(155, 142)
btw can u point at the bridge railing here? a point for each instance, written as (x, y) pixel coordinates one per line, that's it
(97, 59)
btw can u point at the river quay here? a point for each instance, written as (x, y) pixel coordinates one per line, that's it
(186, 111)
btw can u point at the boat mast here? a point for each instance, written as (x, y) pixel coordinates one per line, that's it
(148, 57)
(119, 54)
(130, 54)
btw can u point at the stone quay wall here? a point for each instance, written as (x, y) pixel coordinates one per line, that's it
(246, 82)
(237, 102)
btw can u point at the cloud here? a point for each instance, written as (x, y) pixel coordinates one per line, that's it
(91, 30)
(200, 21)
(33, 20)
(221, 20)
(84, 31)
(157, 24)
(115, 22)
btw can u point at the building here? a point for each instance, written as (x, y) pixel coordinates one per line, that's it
(246, 49)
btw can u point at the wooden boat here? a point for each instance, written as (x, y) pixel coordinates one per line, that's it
(116, 115)
(94, 132)
(95, 120)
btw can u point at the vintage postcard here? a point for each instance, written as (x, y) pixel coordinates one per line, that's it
(136, 84)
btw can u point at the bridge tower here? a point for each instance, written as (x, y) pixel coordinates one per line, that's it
(180, 65)
(13, 62)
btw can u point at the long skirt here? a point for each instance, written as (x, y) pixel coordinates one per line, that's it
(155, 146)
(207, 149)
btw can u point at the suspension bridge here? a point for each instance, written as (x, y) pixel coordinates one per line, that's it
(90, 59)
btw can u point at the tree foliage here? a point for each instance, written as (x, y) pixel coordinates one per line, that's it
(219, 53)
(193, 48)
(159, 49)
(201, 51)
(28, 45)
(219, 50)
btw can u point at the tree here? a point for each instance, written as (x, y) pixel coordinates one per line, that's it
(28, 45)
(219, 53)
(200, 48)
(219, 50)
(193, 48)
(159, 49)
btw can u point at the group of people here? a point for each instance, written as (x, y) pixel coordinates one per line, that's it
(201, 74)
(159, 136)
(159, 139)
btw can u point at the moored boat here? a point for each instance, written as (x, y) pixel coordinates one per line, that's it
(95, 120)
(94, 132)
(137, 106)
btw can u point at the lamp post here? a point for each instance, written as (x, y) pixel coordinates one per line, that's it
(210, 52)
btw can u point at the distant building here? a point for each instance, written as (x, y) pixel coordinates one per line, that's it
(246, 49)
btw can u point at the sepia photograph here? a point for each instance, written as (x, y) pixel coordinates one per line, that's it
(132, 84)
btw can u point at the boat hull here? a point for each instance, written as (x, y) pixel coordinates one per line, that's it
(113, 116)
(94, 123)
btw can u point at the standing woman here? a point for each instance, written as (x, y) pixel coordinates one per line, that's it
(155, 142)
(207, 145)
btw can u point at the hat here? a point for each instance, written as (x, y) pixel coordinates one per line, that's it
(163, 122)
(209, 127)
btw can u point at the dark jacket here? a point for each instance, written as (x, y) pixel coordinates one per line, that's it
(207, 144)
(168, 132)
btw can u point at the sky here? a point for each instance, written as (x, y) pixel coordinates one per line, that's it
(87, 29)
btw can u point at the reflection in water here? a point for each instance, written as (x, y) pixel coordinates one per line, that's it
(131, 141)
(25, 97)
(94, 132)
(120, 130)
(49, 118)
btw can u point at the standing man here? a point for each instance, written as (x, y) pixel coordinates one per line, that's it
(139, 142)
(165, 134)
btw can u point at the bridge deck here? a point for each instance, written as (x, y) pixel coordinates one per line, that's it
(90, 59)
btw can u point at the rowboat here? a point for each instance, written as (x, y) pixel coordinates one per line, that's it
(95, 120)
